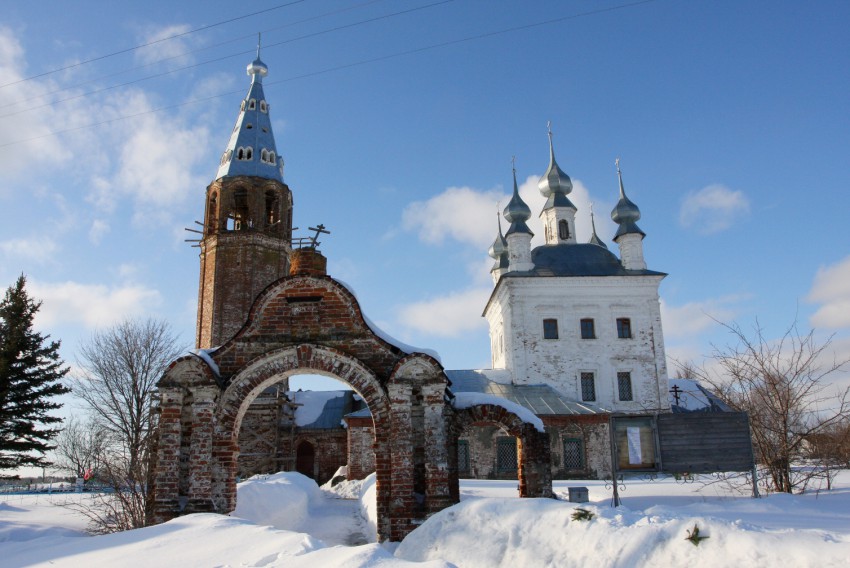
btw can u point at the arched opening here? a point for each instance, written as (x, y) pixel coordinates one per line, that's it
(305, 459)
(563, 230)
(212, 214)
(491, 442)
(299, 410)
(239, 213)
(234, 407)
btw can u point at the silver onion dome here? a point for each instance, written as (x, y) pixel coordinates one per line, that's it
(625, 213)
(516, 210)
(554, 180)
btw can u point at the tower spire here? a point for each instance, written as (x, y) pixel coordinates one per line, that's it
(594, 238)
(626, 214)
(629, 235)
(251, 150)
(558, 214)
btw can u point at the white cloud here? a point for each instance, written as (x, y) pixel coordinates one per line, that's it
(691, 319)
(38, 249)
(98, 229)
(449, 315)
(175, 51)
(21, 156)
(712, 209)
(831, 289)
(92, 305)
(158, 156)
(467, 215)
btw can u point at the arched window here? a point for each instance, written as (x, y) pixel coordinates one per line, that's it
(272, 158)
(272, 208)
(212, 213)
(240, 153)
(252, 104)
(563, 230)
(240, 210)
(263, 106)
(264, 155)
(249, 153)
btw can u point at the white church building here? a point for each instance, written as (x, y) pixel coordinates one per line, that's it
(575, 334)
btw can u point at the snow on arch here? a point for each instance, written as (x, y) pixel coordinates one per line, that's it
(465, 400)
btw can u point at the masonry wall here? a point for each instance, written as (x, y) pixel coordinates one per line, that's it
(516, 313)
(593, 432)
(361, 456)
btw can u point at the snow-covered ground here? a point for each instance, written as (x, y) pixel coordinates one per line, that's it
(286, 520)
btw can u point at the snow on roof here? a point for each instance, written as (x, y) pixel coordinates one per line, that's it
(694, 398)
(206, 356)
(540, 399)
(387, 337)
(469, 399)
(319, 409)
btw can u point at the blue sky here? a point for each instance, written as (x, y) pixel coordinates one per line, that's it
(730, 120)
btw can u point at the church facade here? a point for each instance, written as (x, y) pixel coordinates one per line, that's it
(575, 335)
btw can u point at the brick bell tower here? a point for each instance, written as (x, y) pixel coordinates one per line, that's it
(247, 233)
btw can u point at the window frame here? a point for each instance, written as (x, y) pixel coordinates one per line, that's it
(550, 328)
(583, 375)
(579, 443)
(624, 328)
(622, 377)
(582, 327)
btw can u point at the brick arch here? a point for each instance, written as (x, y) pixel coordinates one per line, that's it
(271, 368)
(533, 470)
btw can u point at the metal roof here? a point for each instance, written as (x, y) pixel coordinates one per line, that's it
(578, 259)
(333, 411)
(542, 400)
(253, 130)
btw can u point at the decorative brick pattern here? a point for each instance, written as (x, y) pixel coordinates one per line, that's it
(310, 323)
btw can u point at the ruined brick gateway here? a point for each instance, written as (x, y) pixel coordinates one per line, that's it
(310, 323)
(302, 321)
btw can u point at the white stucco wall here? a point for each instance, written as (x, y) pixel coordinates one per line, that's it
(520, 304)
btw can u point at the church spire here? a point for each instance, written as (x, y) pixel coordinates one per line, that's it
(518, 235)
(559, 213)
(629, 235)
(251, 150)
(626, 214)
(499, 252)
(594, 238)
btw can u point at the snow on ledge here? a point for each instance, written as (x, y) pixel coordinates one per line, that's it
(387, 337)
(205, 356)
(464, 400)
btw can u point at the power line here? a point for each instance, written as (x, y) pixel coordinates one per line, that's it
(172, 57)
(345, 66)
(140, 46)
(250, 51)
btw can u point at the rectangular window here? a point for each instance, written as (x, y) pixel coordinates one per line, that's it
(588, 329)
(624, 328)
(573, 453)
(588, 387)
(550, 329)
(506, 455)
(463, 456)
(624, 385)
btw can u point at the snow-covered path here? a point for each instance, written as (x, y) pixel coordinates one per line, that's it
(337, 521)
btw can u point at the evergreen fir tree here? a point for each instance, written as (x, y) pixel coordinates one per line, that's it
(30, 376)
